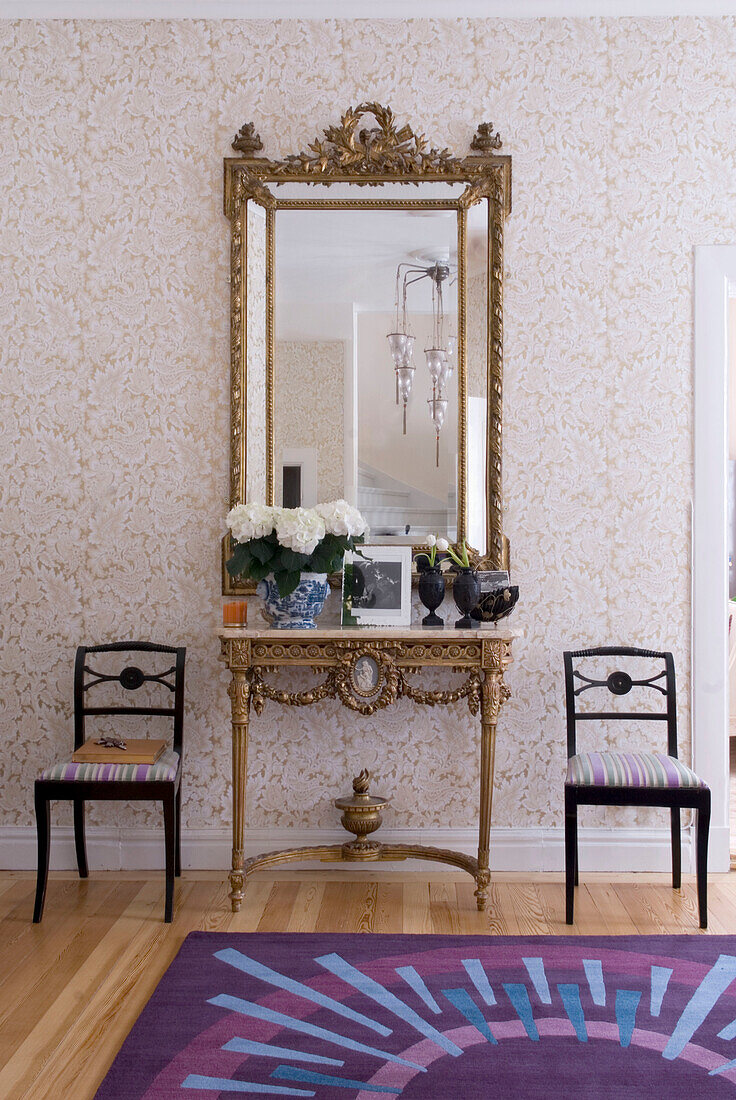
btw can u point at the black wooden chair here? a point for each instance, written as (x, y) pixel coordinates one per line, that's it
(627, 778)
(159, 782)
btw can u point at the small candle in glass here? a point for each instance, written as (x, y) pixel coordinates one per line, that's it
(235, 612)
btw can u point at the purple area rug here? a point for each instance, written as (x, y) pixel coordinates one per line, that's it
(436, 1018)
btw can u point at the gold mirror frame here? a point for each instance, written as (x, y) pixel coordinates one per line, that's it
(369, 157)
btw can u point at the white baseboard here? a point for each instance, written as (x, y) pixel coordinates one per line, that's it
(614, 850)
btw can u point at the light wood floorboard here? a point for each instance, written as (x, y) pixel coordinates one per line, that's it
(72, 987)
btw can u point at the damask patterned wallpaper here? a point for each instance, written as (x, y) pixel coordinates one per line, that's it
(113, 282)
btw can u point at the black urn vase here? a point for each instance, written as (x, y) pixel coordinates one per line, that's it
(466, 593)
(432, 593)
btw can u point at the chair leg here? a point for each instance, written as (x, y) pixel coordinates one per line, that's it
(43, 830)
(177, 853)
(702, 827)
(571, 846)
(170, 841)
(79, 838)
(676, 847)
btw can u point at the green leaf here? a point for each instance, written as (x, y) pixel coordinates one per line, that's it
(289, 561)
(239, 563)
(259, 569)
(318, 565)
(287, 582)
(262, 549)
(355, 545)
(348, 619)
(322, 561)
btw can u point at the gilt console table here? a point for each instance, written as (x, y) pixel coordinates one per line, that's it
(365, 669)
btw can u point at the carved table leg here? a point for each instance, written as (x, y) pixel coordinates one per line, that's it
(239, 692)
(494, 694)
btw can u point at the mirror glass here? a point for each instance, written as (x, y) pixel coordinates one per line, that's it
(341, 425)
(476, 327)
(255, 395)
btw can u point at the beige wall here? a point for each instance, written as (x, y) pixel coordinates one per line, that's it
(381, 443)
(115, 363)
(309, 384)
(731, 342)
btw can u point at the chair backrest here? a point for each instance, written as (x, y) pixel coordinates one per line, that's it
(130, 677)
(620, 682)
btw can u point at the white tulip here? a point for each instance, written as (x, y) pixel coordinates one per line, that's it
(443, 545)
(431, 540)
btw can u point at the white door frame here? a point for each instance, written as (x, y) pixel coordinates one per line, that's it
(715, 266)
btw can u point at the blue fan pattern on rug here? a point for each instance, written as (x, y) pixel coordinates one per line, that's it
(426, 1016)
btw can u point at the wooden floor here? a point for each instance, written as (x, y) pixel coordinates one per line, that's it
(71, 988)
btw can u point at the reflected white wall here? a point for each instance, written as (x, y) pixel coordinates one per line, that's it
(715, 265)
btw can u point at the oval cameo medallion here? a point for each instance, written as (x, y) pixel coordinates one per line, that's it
(365, 676)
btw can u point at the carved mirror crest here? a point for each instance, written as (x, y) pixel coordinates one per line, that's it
(367, 329)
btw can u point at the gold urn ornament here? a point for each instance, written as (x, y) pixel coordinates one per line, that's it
(361, 815)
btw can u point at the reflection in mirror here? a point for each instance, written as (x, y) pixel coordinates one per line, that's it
(477, 373)
(255, 391)
(338, 412)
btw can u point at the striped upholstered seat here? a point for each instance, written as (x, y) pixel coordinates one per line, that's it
(164, 769)
(629, 769)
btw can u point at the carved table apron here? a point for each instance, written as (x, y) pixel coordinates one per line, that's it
(366, 669)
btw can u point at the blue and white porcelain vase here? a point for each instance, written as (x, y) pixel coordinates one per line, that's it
(299, 609)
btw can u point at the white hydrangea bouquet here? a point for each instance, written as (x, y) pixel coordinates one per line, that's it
(290, 541)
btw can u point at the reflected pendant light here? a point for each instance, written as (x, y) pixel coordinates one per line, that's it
(401, 343)
(437, 411)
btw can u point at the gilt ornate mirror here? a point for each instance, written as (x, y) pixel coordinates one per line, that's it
(366, 329)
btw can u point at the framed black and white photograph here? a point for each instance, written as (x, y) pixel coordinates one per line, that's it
(376, 587)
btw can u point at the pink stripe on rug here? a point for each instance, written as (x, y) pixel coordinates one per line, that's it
(426, 1052)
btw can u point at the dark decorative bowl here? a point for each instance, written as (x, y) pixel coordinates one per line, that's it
(496, 604)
